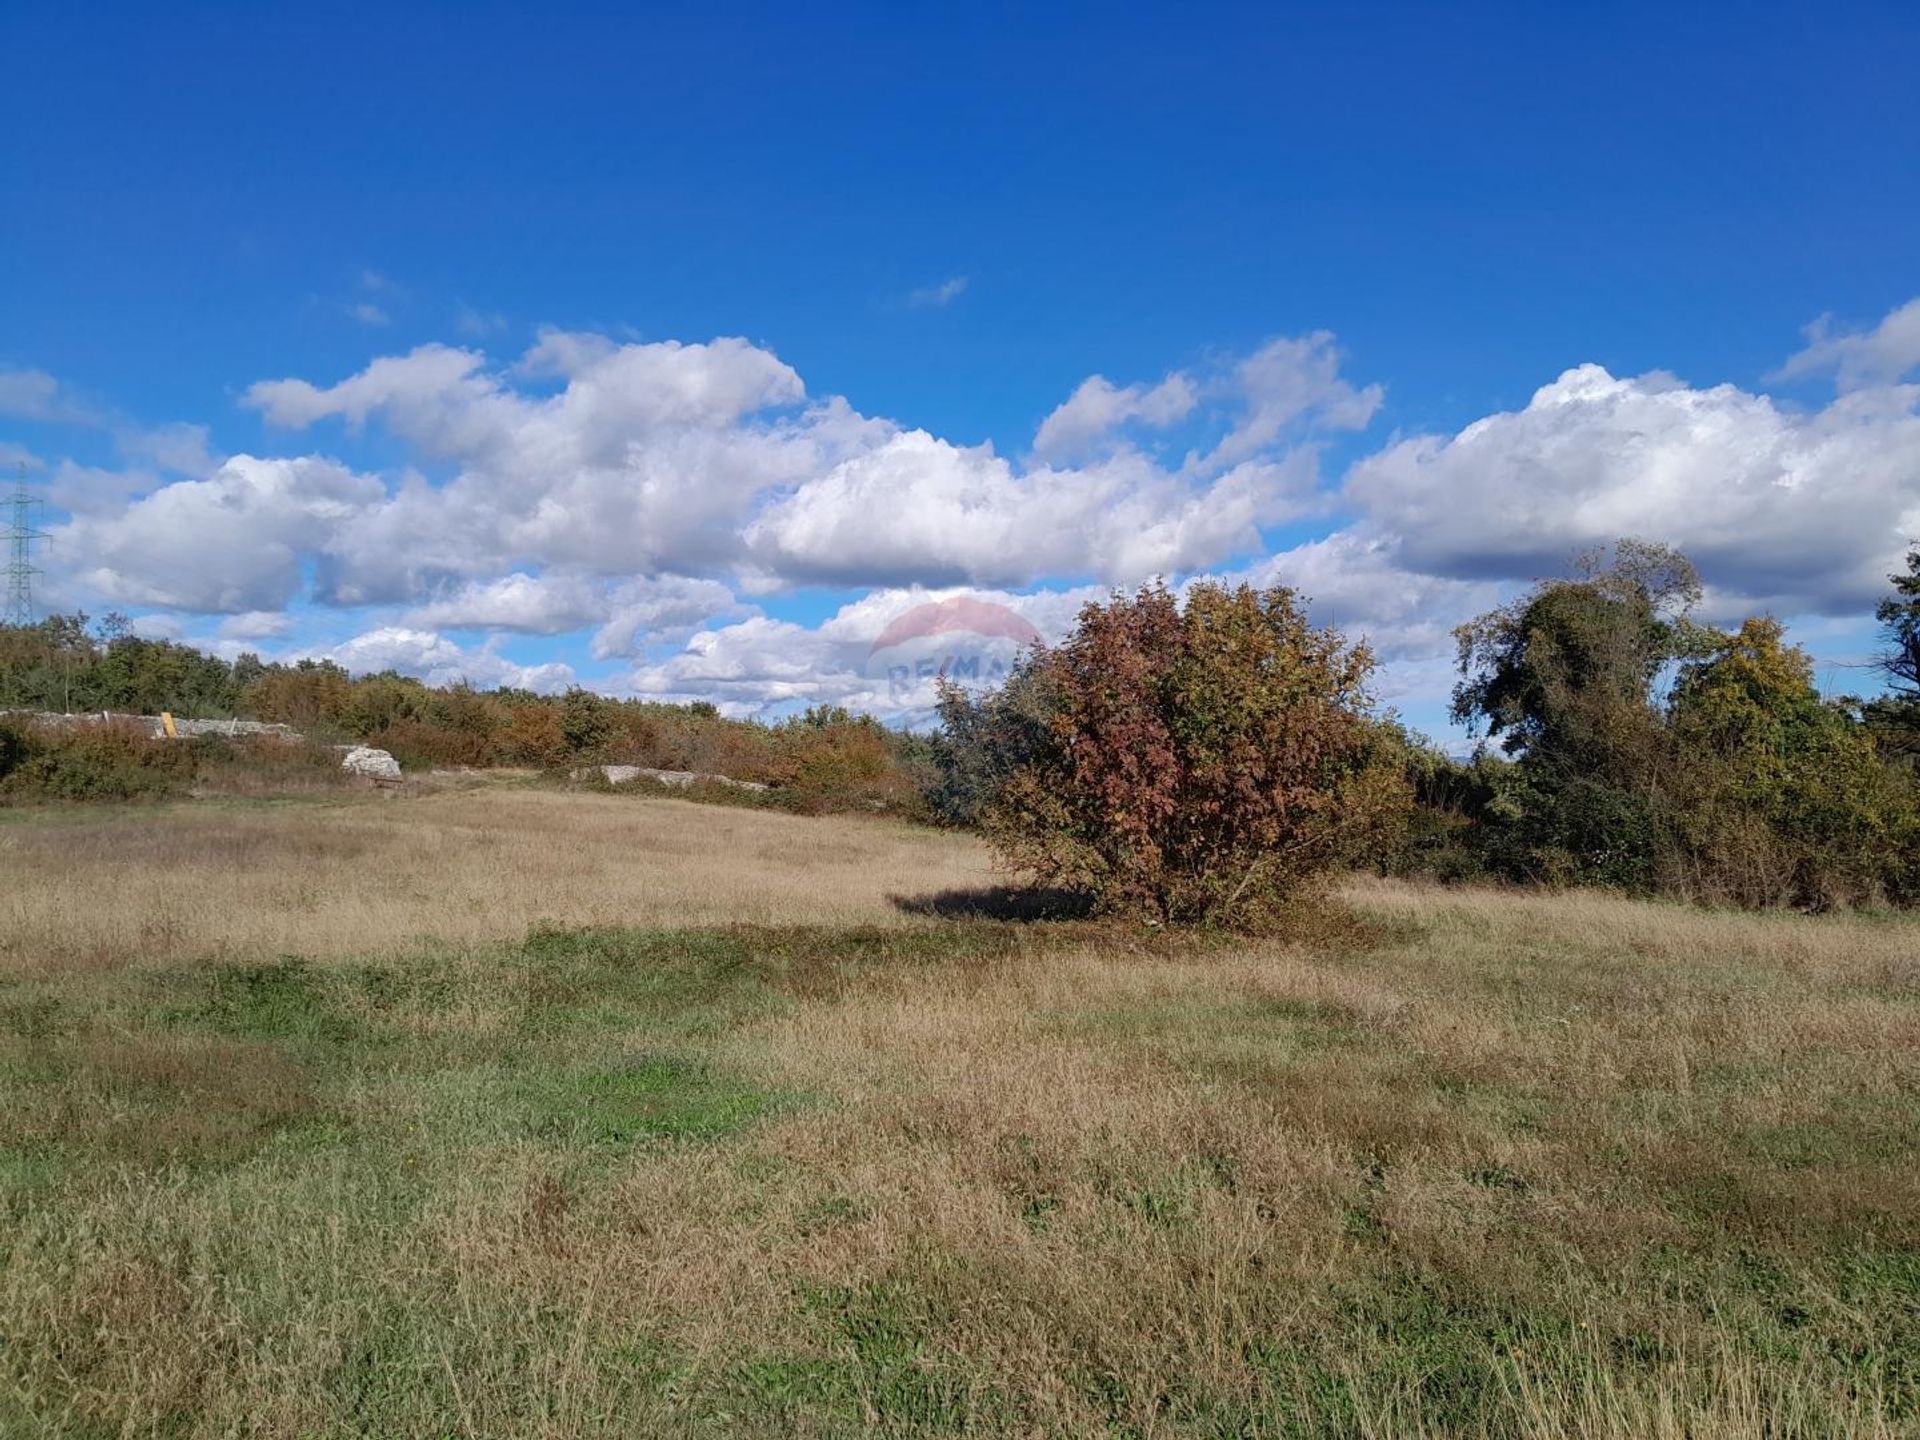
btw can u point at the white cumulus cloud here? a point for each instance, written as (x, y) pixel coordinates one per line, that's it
(1858, 359)
(919, 508)
(1099, 407)
(235, 541)
(630, 493)
(531, 604)
(438, 661)
(1794, 511)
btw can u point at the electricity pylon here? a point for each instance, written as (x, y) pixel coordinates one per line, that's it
(20, 538)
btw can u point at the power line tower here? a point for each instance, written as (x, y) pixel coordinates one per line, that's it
(20, 538)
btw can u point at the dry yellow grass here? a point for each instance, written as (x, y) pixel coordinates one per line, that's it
(1514, 1165)
(374, 872)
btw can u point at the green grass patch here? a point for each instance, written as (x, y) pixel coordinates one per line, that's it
(565, 1186)
(665, 1097)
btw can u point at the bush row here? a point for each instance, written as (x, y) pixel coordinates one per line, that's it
(51, 763)
(824, 759)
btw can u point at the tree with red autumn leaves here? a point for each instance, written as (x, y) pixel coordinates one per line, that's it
(1196, 763)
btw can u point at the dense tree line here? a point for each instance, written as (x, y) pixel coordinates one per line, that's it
(1643, 750)
(65, 664)
(1197, 761)
(825, 758)
(1205, 759)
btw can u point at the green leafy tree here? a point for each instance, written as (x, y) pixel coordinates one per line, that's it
(1735, 782)
(1895, 717)
(586, 720)
(1566, 679)
(984, 739)
(1569, 668)
(1777, 796)
(1899, 617)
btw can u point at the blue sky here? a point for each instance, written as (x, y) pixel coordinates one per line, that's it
(1331, 238)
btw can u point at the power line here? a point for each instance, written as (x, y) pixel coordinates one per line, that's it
(20, 538)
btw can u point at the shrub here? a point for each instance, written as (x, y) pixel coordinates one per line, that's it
(535, 736)
(586, 720)
(265, 765)
(982, 742)
(1198, 763)
(91, 762)
(14, 748)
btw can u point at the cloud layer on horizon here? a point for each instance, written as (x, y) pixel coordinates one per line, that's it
(659, 499)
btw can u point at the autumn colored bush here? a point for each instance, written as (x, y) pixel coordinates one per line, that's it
(823, 760)
(1197, 763)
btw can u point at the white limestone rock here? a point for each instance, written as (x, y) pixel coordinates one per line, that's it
(374, 764)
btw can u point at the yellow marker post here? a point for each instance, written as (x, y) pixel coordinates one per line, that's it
(166, 724)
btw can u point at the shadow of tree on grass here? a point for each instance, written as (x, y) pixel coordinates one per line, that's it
(1024, 903)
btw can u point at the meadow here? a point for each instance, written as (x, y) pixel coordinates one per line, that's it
(506, 1111)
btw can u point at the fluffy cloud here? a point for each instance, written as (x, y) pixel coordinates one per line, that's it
(756, 663)
(646, 460)
(1797, 512)
(630, 492)
(442, 399)
(232, 542)
(90, 490)
(438, 661)
(1859, 359)
(1099, 407)
(158, 627)
(256, 625)
(920, 509)
(629, 614)
(681, 460)
(760, 664)
(1359, 585)
(532, 604)
(644, 612)
(1287, 383)
(1258, 403)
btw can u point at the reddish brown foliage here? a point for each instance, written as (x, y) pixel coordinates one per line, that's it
(1199, 764)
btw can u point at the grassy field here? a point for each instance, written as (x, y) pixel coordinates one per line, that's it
(512, 1113)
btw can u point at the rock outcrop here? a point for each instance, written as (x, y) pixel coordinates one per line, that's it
(374, 764)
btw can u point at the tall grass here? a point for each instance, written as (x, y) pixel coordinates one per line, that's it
(364, 872)
(1474, 1163)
